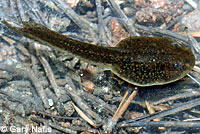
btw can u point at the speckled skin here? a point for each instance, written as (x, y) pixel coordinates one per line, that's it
(142, 61)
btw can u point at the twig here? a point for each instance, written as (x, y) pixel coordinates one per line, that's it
(80, 102)
(125, 106)
(174, 124)
(50, 76)
(124, 19)
(196, 68)
(102, 37)
(177, 96)
(55, 116)
(194, 43)
(35, 13)
(182, 107)
(84, 116)
(21, 10)
(53, 125)
(120, 105)
(160, 31)
(27, 73)
(80, 21)
(11, 98)
(87, 129)
(151, 111)
(194, 79)
(99, 102)
(174, 21)
(192, 3)
(120, 111)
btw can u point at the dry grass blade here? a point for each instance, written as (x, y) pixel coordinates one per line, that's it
(84, 116)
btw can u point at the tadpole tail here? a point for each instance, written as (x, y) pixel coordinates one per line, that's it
(97, 55)
(32, 31)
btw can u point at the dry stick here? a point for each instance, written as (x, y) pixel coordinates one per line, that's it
(152, 111)
(175, 124)
(192, 3)
(85, 129)
(182, 107)
(125, 105)
(197, 63)
(121, 109)
(80, 21)
(101, 25)
(56, 116)
(23, 121)
(30, 13)
(174, 21)
(39, 13)
(125, 21)
(21, 10)
(80, 102)
(195, 80)
(50, 76)
(164, 32)
(194, 42)
(120, 105)
(177, 96)
(11, 98)
(35, 14)
(13, 6)
(196, 68)
(53, 125)
(27, 73)
(100, 102)
(34, 60)
(116, 99)
(83, 115)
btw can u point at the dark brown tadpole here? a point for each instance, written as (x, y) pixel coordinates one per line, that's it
(141, 61)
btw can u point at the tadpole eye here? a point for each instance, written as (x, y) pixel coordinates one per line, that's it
(177, 65)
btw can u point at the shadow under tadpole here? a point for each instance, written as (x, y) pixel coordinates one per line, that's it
(158, 92)
(155, 93)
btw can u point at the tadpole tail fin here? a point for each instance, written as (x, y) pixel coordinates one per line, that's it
(36, 32)
(97, 55)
